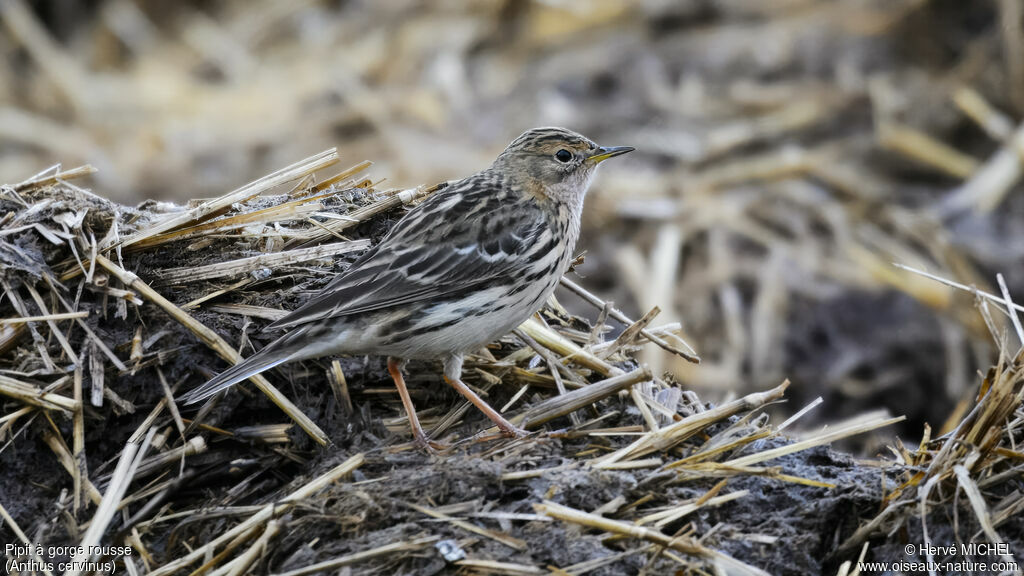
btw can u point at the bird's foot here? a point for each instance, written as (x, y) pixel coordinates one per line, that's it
(429, 446)
(512, 431)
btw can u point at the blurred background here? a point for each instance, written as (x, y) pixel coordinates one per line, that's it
(788, 152)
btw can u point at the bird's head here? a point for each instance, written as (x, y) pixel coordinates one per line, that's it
(554, 163)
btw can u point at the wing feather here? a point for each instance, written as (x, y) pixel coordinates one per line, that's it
(462, 238)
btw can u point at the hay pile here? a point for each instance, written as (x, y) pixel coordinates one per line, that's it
(109, 312)
(788, 151)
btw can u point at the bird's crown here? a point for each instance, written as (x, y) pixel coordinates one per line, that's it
(564, 146)
(537, 140)
(555, 151)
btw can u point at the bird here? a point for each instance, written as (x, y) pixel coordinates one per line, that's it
(460, 270)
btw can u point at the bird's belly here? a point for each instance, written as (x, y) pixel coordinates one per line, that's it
(465, 324)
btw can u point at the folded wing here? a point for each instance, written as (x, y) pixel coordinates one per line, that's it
(450, 244)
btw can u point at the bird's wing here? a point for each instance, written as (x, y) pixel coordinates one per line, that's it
(472, 235)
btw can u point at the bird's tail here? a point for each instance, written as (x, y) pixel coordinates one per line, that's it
(270, 356)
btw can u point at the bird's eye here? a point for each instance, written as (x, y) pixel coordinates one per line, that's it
(563, 155)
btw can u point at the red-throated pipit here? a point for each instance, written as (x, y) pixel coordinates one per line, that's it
(460, 270)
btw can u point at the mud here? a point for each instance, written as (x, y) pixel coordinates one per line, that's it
(781, 527)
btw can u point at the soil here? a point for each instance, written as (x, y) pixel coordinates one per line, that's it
(781, 527)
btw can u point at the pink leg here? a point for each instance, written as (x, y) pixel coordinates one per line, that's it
(507, 428)
(421, 439)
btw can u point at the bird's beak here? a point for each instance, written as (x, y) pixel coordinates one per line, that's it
(605, 152)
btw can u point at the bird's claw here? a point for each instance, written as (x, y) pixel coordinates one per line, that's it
(514, 432)
(429, 446)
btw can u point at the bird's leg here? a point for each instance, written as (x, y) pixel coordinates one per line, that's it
(420, 437)
(453, 376)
